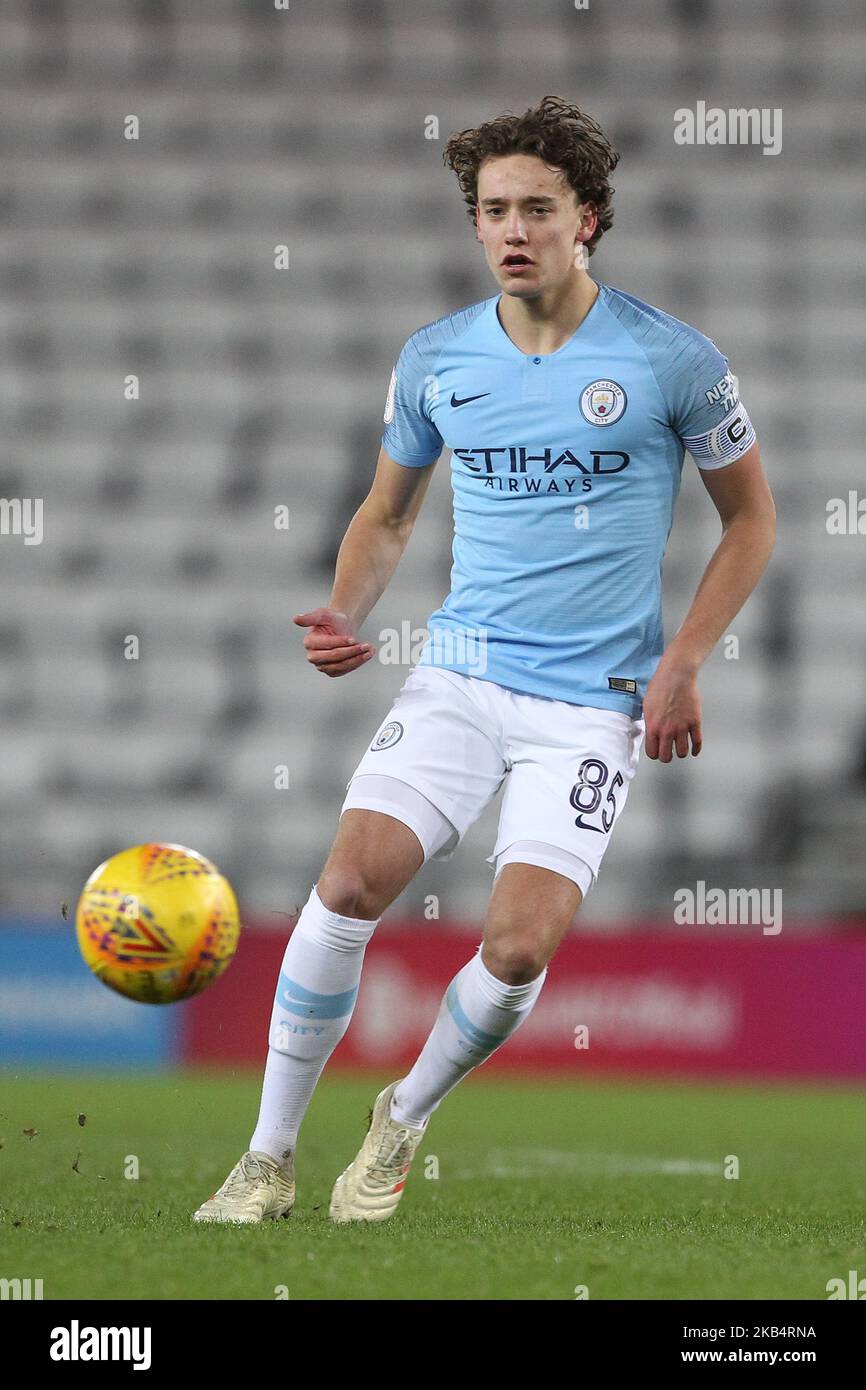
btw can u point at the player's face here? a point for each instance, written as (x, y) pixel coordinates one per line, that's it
(527, 209)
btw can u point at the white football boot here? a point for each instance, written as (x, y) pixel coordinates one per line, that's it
(373, 1183)
(256, 1189)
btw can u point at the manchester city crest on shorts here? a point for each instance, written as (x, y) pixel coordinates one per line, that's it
(603, 402)
(387, 736)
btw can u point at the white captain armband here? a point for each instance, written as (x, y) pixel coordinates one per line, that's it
(723, 443)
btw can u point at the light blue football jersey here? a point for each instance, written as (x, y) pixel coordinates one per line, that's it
(565, 469)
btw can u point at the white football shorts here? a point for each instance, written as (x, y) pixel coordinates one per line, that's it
(450, 741)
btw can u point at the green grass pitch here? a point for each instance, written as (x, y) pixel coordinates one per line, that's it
(520, 1190)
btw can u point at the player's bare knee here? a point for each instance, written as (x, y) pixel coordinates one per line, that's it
(349, 891)
(513, 960)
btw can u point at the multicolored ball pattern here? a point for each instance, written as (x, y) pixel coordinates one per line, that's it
(158, 923)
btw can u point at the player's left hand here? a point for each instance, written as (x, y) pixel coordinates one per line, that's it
(672, 713)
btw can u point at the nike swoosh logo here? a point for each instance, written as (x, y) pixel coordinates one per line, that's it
(467, 399)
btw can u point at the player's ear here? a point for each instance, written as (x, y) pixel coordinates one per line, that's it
(588, 221)
(585, 230)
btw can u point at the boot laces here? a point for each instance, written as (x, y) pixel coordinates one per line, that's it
(394, 1151)
(248, 1173)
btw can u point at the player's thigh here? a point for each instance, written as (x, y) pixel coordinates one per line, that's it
(530, 910)
(373, 858)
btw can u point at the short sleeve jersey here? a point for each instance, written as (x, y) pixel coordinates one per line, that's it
(565, 469)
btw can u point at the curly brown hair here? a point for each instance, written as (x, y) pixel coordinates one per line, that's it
(556, 131)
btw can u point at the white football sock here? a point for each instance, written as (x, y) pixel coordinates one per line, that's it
(314, 1001)
(477, 1014)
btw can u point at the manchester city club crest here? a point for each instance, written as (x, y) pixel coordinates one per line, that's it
(387, 736)
(603, 402)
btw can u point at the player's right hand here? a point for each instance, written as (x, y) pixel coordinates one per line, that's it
(330, 643)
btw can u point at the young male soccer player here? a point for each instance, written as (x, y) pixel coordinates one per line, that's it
(567, 406)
